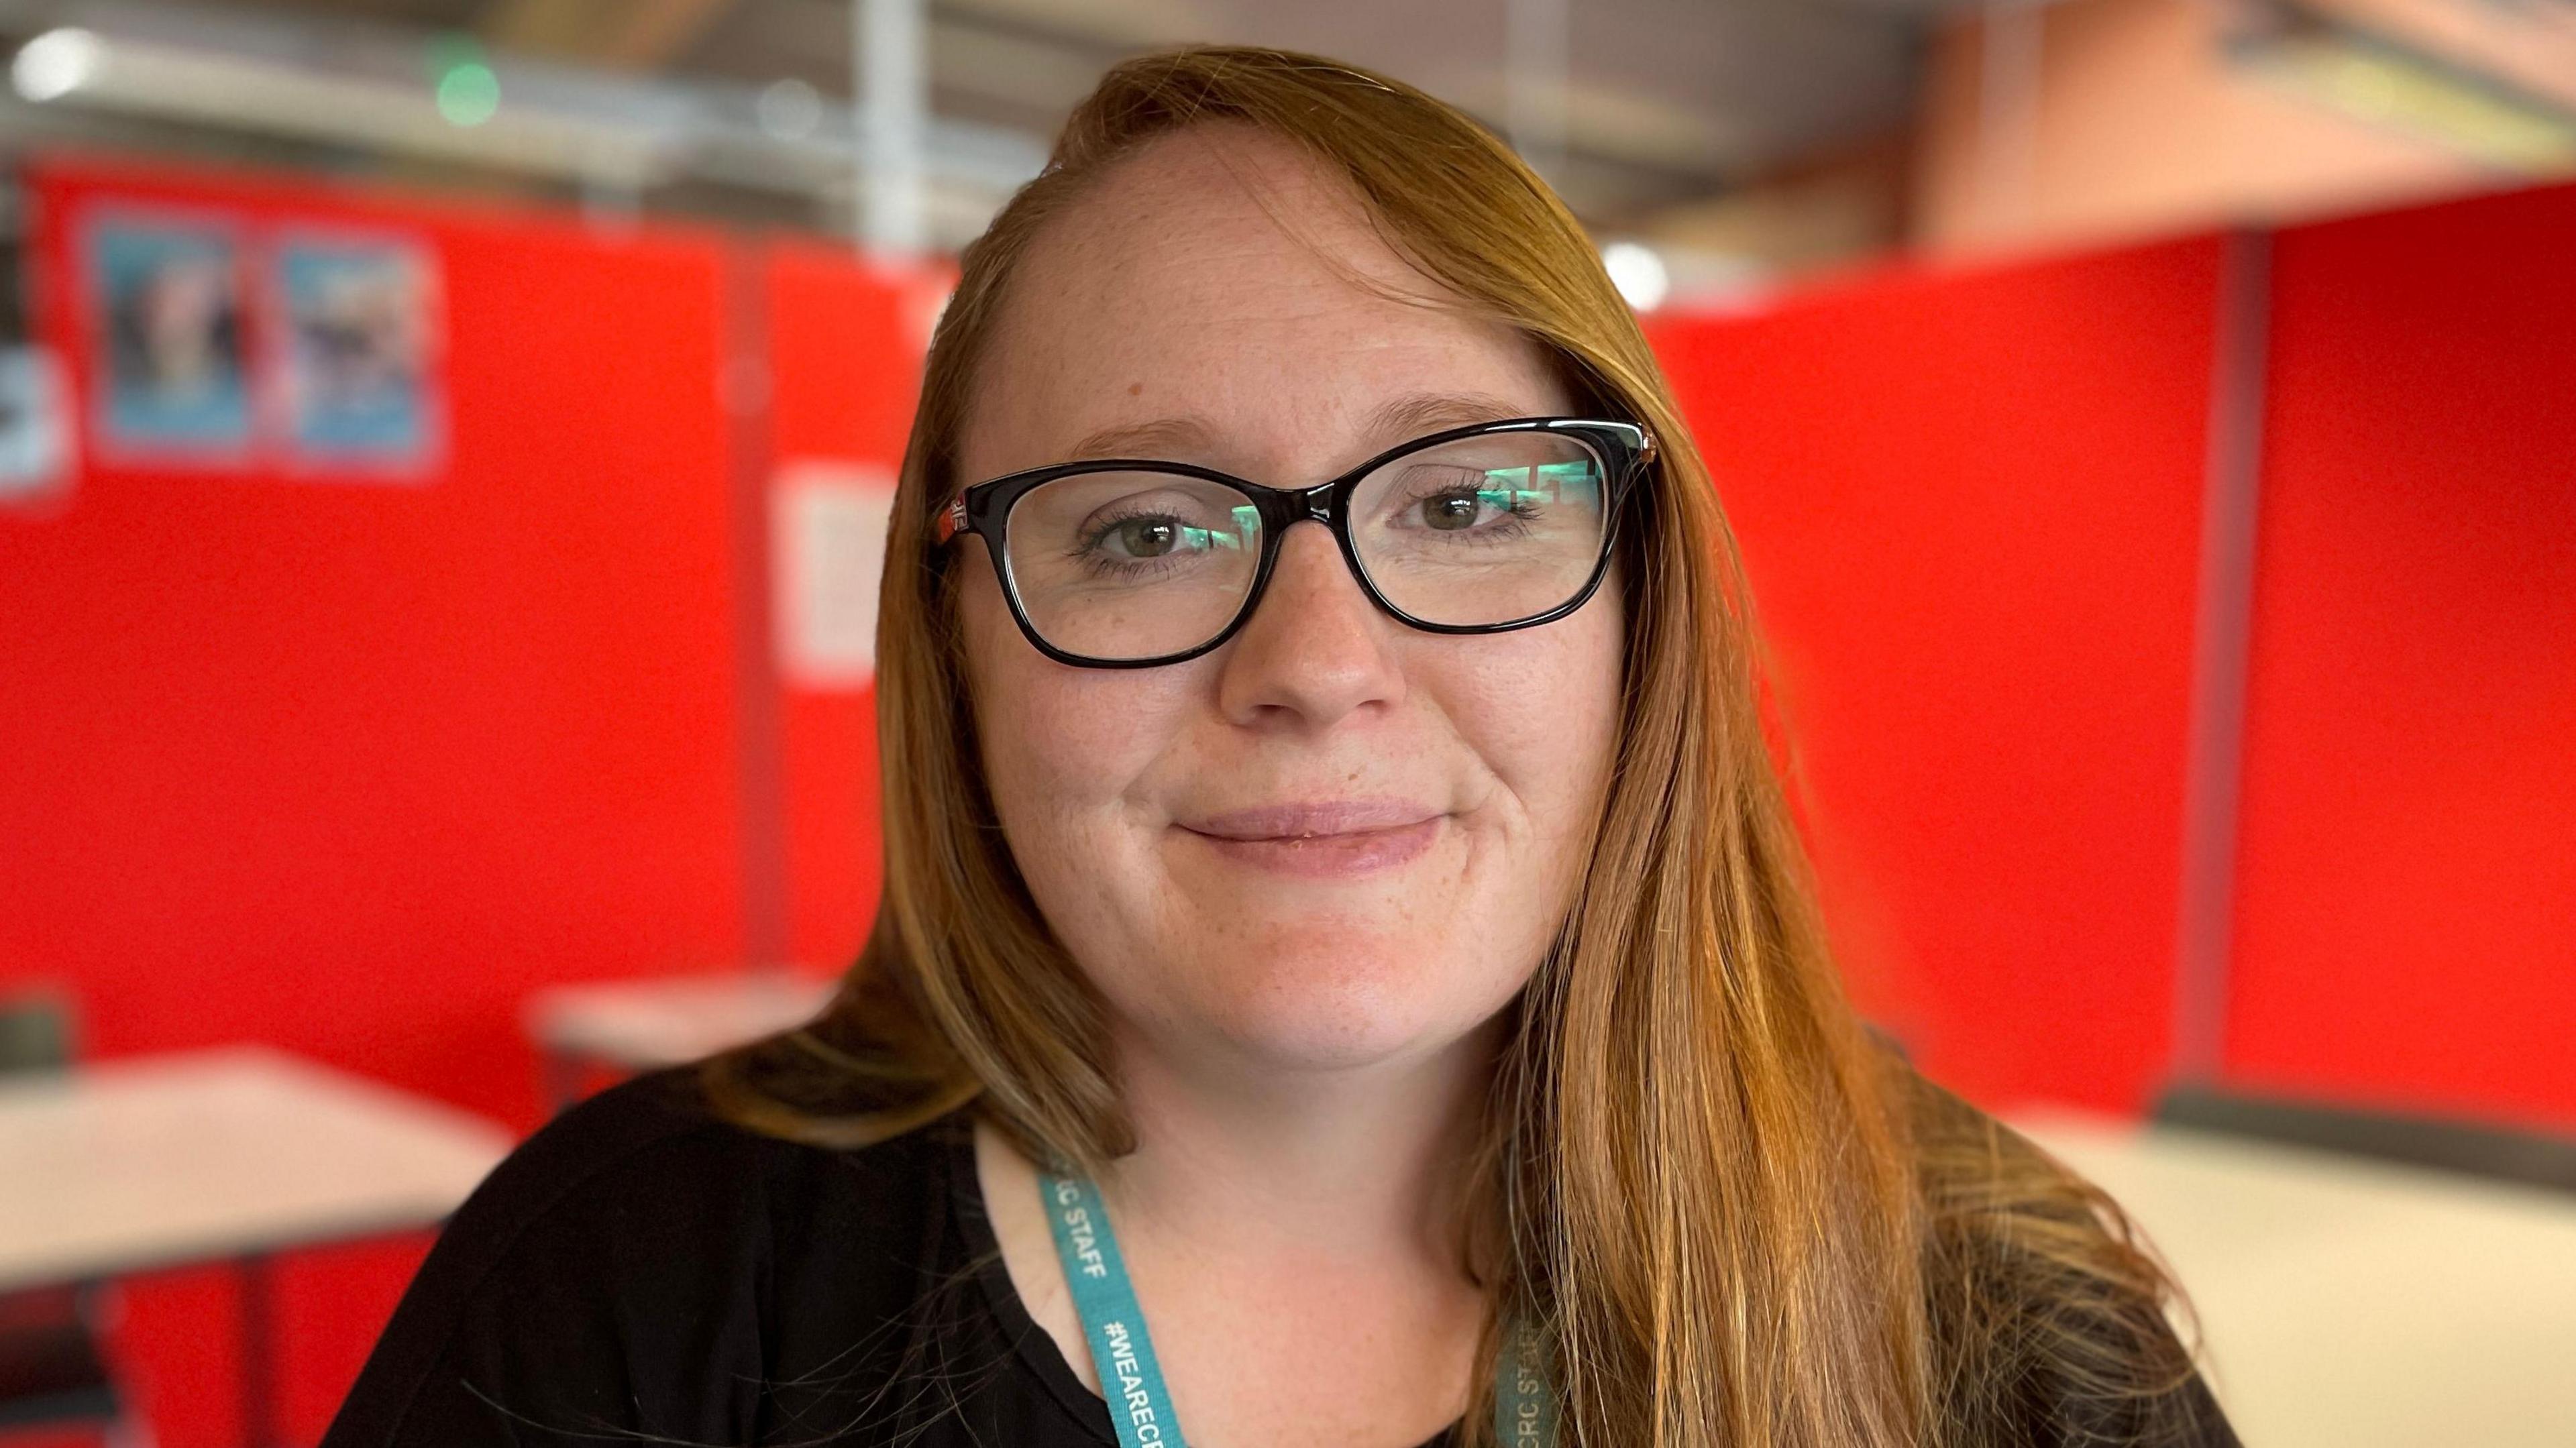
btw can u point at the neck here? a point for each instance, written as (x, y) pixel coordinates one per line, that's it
(1358, 1162)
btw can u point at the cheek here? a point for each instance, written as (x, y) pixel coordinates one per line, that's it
(1540, 708)
(1061, 745)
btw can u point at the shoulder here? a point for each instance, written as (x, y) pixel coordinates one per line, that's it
(622, 1269)
(653, 1152)
(649, 1165)
(2051, 1319)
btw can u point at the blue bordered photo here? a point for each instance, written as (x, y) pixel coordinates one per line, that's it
(171, 368)
(357, 352)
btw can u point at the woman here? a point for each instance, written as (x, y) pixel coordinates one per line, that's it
(1339, 911)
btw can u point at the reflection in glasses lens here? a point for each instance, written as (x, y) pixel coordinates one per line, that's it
(1132, 565)
(1485, 530)
(1482, 531)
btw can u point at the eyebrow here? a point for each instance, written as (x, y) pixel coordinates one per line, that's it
(1390, 422)
(1144, 439)
(1404, 417)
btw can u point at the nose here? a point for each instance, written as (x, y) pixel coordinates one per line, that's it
(1315, 650)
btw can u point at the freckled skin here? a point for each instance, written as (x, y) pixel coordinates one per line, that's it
(1171, 290)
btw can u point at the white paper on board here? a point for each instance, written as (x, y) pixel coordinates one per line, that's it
(827, 549)
(36, 429)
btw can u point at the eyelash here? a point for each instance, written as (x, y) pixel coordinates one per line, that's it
(1519, 513)
(1086, 549)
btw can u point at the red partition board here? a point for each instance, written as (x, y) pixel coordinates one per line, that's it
(1969, 503)
(845, 341)
(2406, 911)
(352, 766)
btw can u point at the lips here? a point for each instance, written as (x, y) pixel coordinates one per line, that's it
(1311, 819)
(1321, 838)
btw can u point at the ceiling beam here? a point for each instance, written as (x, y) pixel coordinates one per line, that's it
(630, 35)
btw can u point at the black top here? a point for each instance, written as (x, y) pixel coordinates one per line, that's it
(641, 1272)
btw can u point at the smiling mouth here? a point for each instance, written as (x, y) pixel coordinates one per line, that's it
(1321, 840)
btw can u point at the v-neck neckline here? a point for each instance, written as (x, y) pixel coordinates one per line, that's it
(1036, 1348)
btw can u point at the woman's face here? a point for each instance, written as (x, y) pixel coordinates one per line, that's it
(1335, 840)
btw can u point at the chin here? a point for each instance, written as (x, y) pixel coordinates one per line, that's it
(1335, 1003)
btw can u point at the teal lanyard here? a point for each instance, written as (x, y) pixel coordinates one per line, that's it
(1140, 1407)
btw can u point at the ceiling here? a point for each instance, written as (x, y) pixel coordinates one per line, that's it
(1665, 100)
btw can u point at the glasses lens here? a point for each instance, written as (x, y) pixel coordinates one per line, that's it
(1484, 530)
(1132, 565)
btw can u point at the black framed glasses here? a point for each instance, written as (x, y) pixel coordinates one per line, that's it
(1124, 563)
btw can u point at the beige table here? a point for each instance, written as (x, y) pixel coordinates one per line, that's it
(640, 1025)
(231, 1154)
(2350, 1303)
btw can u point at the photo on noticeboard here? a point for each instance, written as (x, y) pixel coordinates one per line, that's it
(356, 352)
(171, 356)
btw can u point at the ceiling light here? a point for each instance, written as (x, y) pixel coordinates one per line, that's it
(1638, 273)
(466, 90)
(55, 64)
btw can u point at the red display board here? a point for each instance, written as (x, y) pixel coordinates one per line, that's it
(351, 764)
(2406, 922)
(845, 344)
(352, 758)
(1970, 506)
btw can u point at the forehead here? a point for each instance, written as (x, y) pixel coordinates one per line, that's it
(1222, 280)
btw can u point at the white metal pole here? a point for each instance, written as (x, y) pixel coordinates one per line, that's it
(889, 76)
(1537, 35)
